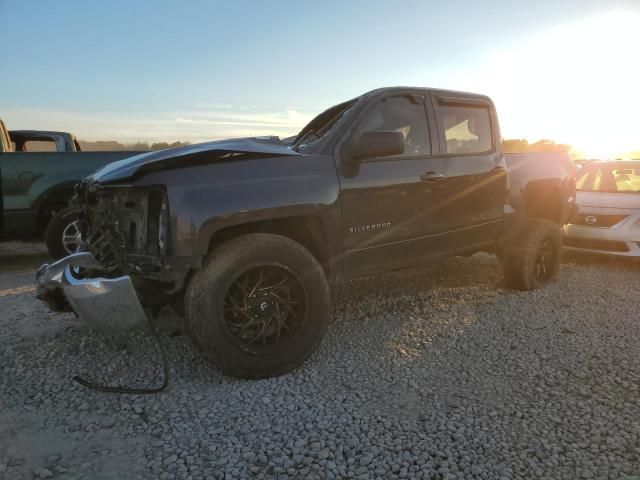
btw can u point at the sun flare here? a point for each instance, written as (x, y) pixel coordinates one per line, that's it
(575, 84)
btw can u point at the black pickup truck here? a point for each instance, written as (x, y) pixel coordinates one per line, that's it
(243, 236)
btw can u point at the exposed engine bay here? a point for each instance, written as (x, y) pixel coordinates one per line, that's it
(125, 228)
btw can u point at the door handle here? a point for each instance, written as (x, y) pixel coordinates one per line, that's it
(431, 177)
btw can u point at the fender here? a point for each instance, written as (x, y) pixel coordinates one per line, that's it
(58, 193)
(204, 199)
(539, 185)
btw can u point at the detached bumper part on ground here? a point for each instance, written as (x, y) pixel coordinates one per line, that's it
(104, 303)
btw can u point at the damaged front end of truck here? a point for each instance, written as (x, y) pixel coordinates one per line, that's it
(127, 265)
(126, 228)
(125, 234)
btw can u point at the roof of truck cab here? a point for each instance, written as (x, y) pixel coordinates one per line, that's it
(436, 91)
(36, 133)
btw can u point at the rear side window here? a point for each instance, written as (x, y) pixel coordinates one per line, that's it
(40, 146)
(405, 114)
(467, 129)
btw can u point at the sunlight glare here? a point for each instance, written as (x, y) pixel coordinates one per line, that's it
(575, 84)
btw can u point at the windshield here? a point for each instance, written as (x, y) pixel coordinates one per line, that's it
(609, 178)
(322, 124)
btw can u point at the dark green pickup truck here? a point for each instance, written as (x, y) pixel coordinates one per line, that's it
(35, 188)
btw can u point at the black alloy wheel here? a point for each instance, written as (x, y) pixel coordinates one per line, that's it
(532, 259)
(259, 306)
(545, 261)
(264, 305)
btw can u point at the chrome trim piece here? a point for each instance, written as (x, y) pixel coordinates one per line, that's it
(104, 303)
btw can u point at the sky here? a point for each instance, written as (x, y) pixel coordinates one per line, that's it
(151, 70)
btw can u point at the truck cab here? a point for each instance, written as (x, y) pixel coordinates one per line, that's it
(43, 141)
(442, 194)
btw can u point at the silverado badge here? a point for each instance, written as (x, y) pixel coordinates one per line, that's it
(368, 228)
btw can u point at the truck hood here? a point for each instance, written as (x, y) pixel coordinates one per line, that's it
(183, 156)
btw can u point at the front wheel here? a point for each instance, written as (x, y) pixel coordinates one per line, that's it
(63, 235)
(259, 307)
(533, 259)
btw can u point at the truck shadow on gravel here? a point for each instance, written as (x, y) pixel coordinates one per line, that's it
(453, 335)
(439, 346)
(407, 320)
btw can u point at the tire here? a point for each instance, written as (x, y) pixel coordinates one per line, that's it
(230, 279)
(534, 259)
(59, 226)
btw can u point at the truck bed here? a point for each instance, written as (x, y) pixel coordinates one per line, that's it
(32, 182)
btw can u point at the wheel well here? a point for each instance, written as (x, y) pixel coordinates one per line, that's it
(545, 202)
(308, 231)
(53, 203)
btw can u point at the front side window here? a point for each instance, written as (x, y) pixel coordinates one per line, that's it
(404, 114)
(466, 129)
(609, 178)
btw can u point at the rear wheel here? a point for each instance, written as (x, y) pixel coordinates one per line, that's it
(259, 307)
(63, 235)
(533, 260)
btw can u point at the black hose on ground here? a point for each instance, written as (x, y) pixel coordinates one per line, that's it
(134, 391)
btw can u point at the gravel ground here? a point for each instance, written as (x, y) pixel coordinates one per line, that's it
(435, 373)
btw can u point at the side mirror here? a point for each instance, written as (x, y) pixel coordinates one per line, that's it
(376, 144)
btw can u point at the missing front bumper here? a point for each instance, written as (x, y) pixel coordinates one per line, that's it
(104, 303)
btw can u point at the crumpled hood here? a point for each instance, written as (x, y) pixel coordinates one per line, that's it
(126, 168)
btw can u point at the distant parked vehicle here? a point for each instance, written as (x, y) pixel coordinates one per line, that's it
(36, 185)
(607, 215)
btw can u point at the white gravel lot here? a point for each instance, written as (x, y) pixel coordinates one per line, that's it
(435, 373)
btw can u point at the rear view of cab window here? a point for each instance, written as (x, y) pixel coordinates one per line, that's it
(40, 146)
(467, 129)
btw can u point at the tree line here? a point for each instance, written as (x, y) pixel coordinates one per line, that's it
(508, 146)
(521, 145)
(112, 145)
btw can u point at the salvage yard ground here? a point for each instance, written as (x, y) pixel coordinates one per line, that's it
(435, 373)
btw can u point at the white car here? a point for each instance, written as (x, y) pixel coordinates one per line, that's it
(607, 215)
